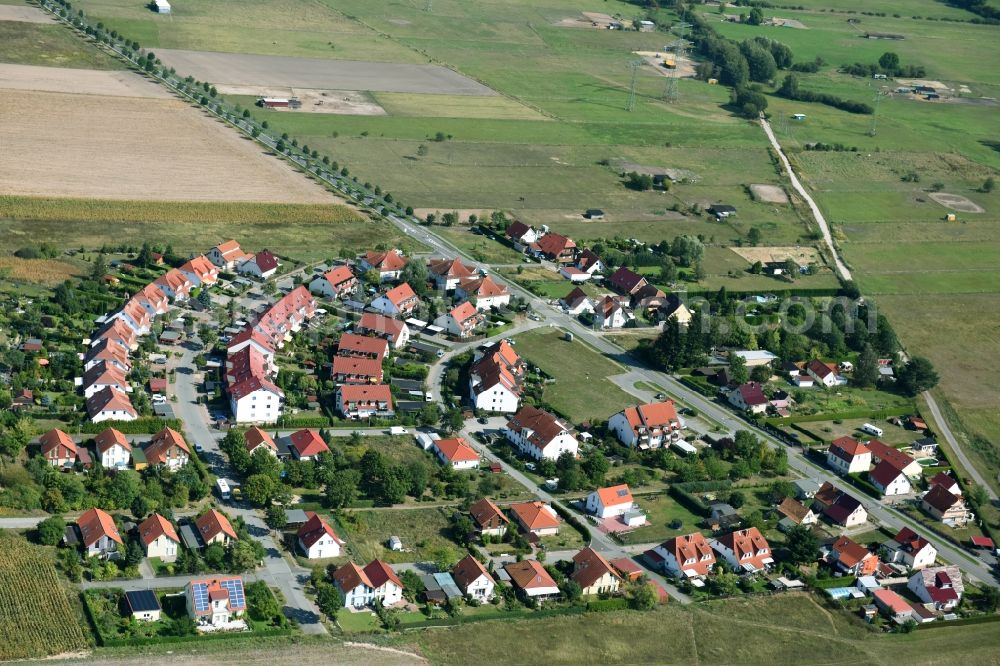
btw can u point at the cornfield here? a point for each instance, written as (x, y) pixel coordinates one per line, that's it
(36, 619)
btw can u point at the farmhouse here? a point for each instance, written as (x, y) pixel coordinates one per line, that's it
(214, 527)
(399, 301)
(851, 558)
(113, 449)
(949, 509)
(531, 580)
(216, 602)
(746, 551)
(447, 273)
(473, 579)
(317, 540)
(749, 397)
(846, 456)
(909, 549)
(109, 404)
(167, 448)
(594, 574)
(488, 518)
(483, 292)
(334, 283)
(261, 265)
(461, 321)
(59, 449)
(576, 302)
(536, 518)
(539, 434)
(687, 556)
(227, 255)
(361, 401)
(159, 538)
(495, 378)
(389, 264)
(455, 453)
(610, 501)
(98, 533)
(393, 330)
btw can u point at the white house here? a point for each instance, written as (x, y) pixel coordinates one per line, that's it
(175, 284)
(386, 586)
(577, 302)
(531, 580)
(398, 301)
(200, 271)
(746, 551)
(540, 434)
(256, 400)
(749, 397)
(98, 533)
(159, 538)
(940, 587)
(354, 586)
(889, 479)
(389, 264)
(262, 265)
(495, 378)
(216, 602)
(611, 313)
(227, 255)
(610, 501)
(461, 321)
(473, 579)
(846, 456)
(109, 404)
(824, 373)
(317, 540)
(113, 448)
(334, 283)
(594, 574)
(393, 330)
(647, 426)
(686, 556)
(484, 292)
(104, 375)
(909, 549)
(456, 453)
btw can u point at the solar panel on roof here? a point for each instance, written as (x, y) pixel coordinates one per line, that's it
(235, 588)
(142, 600)
(200, 592)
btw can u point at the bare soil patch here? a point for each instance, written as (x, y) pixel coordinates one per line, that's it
(320, 74)
(800, 255)
(956, 202)
(597, 20)
(131, 148)
(769, 194)
(786, 23)
(660, 60)
(670, 172)
(277, 654)
(110, 83)
(339, 102)
(23, 14)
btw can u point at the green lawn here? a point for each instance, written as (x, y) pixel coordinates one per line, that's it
(49, 45)
(479, 247)
(362, 622)
(830, 430)
(581, 389)
(846, 398)
(422, 531)
(661, 510)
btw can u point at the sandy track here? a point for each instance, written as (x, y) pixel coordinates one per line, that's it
(22, 14)
(321, 74)
(130, 148)
(78, 81)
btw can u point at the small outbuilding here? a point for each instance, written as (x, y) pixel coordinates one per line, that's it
(142, 605)
(162, 6)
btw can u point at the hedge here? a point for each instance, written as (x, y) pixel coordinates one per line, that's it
(688, 501)
(703, 390)
(978, 619)
(573, 521)
(143, 426)
(607, 605)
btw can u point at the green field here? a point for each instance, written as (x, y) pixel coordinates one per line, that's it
(422, 531)
(49, 45)
(581, 390)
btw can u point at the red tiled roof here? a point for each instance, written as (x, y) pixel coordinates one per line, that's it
(847, 448)
(54, 439)
(820, 369)
(110, 399)
(849, 552)
(381, 325)
(589, 567)
(455, 450)
(265, 261)
(307, 442)
(339, 276)
(400, 294)
(484, 287)
(941, 498)
(535, 515)
(350, 576)
(752, 394)
(315, 529)
(468, 570)
(352, 343)
(213, 523)
(156, 526)
(625, 280)
(379, 573)
(159, 448)
(352, 367)
(392, 260)
(484, 511)
(528, 574)
(553, 244)
(463, 311)
(885, 473)
(615, 495)
(365, 393)
(108, 438)
(451, 268)
(255, 437)
(747, 545)
(94, 524)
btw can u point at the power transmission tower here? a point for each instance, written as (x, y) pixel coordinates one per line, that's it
(878, 97)
(634, 66)
(783, 123)
(678, 47)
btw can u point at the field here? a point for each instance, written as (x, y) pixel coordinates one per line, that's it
(829, 430)
(36, 619)
(40, 44)
(48, 272)
(422, 531)
(582, 390)
(111, 83)
(784, 629)
(479, 247)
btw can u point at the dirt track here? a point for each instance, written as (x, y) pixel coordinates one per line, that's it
(78, 81)
(131, 148)
(262, 70)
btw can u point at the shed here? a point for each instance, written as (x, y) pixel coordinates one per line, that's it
(142, 605)
(594, 214)
(162, 6)
(296, 517)
(190, 536)
(394, 543)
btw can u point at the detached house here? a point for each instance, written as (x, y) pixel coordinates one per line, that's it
(540, 434)
(388, 264)
(461, 321)
(687, 556)
(113, 449)
(167, 448)
(531, 580)
(749, 397)
(847, 455)
(393, 330)
(576, 302)
(889, 479)
(589, 263)
(949, 509)
(521, 235)
(488, 518)
(98, 533)
(949, 483)
(257, 438)
(611, 313)
(447, 273)
(455, 453)
(495, 378)
(626, 281)
(556, 248)
(159, 538)
(846, 511)
(58, 448)
(216, 602)
(746, 551)
(361, 401)
(262, 265)
(648, 426)
(255, 399)
(399, 301)
(594, 574)
(882, 452)
(306, 444)
(536, 518)
(201, 272)
(794, 513)
(824, 374)
(610, 501)
(852, 558)
(472, 578)
(334, 283)
(227, 255)
(939, 587)
(317, 540)
(909, 549)
(214, 527)
(483, 292)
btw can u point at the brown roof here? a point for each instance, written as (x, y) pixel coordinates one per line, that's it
(941, 498)
(156, 526)
(56, 438)
(589, 567)
(315, 529)
(535, 515)
(256, 436)
(352, 343)
(626, 281)
(544, 426)
(842, 508)
(163, 442)
(484, 511)
(393, 260)
(575, 297)
(108, 438)
(793, 509)
(553, 244)
(213, 523)
(350, 576)
(884, 452)
(528, 574)
(849, 552)
(452, 268)
(468, 570)
(747, 542)
(827, 494)
(379, 573)
(110, 399)
(95, 524)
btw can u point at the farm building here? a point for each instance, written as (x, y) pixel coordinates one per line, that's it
(162, 6)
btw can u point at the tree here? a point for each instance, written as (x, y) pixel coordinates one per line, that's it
(988, 185)
(889, 62)
(50, 530)
(134, 553)
(641, 595)
(639, 181)
(866, 369)
(738, 369)
(328, 599)
(415, 273)
(802, 545)
(917, 376)
(760, 62)
(668, 271)
(258, 489)
(275, 517)
(756, 16)
(570, 589)
(754, 236)
(779, 490)
(243, 556)
(782, 55)
(750, 103)
(760, 373)
(988, 599)
(789, 88)
(444, 558)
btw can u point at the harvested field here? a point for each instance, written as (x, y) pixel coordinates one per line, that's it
(589, 20)
(50, 272)
(78, 81)
(22, 14)
(148, 149)
(956, 202)
(337, 102)
(800, 255)
(320, 74)
(769, 194)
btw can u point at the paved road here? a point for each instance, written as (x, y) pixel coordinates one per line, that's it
(949, 437)
(276, 570)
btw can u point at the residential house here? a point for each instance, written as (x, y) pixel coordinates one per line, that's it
(59, 449)
(847, 455)
(386, 586)
(354, 586)
(589, 263)
(110, 352)
(23, 399)
(255, 399)
(495, 378)
(472, 578)
(686, 556)
(539, 434)
(535, 517)
(116, 331)
(456, 453)
(393, 330)
(399, 301)
(167, 447)
(651, 425)
(531, 580)
(521, 235)
(250, 338)
(576, 302)
(142, 605)
(895, 606)
(317, 540)
(261, 265)
(806, 488)
(483, 292)
(447, 273)
(610, 501)
(488, 518)
(909, 549)
(227, 255)
(461, 321)
(361, 401)
(746, 551)
(113, 449)
(98, 533)
(159, 538)
(825, 373)
(136, 317)
(674, 308)
(882, 452)
(306, 444)
(648, 299)
(795, 513)
(201, 272)
(749, 397)
(846, 511)
(351, 344)
(175, 284)
(889, 479)
(389, 264)
(356, 370)
(334, 283)
(153, 299)
(594, 574)
(948, 482)
(286, 316)
(216, 602)
(556, 248)
(214, 527)
(626, 281)
(102, 375)
(949, 509)
(611, 313)
(938, 587)
(852, 558)
(110, 404)
(256, 438)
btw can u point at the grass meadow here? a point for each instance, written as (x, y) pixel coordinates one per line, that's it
(49, 45)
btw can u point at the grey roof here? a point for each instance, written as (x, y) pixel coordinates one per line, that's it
(407, 384)
(424, 347)
(410, 405)
(441, 583)
(296, 517)
(190, 537)
(163, 410)
(142, 600)
(807, 487)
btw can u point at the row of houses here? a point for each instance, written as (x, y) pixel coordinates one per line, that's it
(113, 449)
(693, 556)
